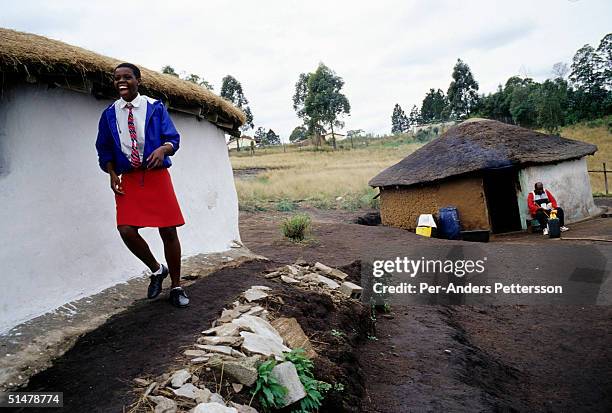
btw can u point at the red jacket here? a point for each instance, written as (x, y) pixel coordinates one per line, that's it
(533, 207)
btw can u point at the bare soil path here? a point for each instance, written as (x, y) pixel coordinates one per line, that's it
(467, 358)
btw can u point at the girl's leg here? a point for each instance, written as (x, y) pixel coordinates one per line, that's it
(172, 251)
(138, 246)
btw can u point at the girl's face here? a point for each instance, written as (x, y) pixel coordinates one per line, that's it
(126, 83)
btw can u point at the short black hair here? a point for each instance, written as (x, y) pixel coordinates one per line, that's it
(134, 68)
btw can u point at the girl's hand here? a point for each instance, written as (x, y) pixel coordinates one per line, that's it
(115, 183)
(157, 156)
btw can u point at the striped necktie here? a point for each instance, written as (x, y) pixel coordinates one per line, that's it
(135, 156)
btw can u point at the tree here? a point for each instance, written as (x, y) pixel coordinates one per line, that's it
(462, 91)
(494, 106)
(415, 116)
(193, 78)
(605, 53)
(399, 120)
(169, 70)
(353, 133)
(318, 100)
(551, 104)
(587, 69)
(298, 134)
(520, 94)
(231, 89)
(560, 70)
(272, 138)
(260, 136)
(433, 106)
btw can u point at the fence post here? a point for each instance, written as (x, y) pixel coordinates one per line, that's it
(605, 172)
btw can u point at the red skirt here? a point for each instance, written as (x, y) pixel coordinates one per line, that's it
(149, 200)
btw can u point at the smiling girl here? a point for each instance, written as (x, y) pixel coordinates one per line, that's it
(136, 138)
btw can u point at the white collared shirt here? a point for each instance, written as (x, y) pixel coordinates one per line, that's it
(139, 112)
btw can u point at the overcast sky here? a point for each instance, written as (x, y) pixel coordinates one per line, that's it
(387, 51)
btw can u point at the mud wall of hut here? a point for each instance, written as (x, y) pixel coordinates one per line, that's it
(401, 207)
(568, 182)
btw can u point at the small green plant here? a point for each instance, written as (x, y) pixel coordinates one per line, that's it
(285, 205)
(269, 392)
(315, 389)
(296, 227)
(337, 333)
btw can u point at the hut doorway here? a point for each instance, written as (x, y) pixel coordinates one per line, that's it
(500, 191)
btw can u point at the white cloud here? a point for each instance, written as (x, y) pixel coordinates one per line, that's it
(387, 51)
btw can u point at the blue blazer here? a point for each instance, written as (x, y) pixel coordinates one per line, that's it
(159, 129)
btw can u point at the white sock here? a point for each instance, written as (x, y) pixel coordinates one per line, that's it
(158, 272)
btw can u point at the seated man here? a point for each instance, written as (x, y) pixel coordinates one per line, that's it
(540, 203)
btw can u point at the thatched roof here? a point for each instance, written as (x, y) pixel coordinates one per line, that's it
(479, 144)
(39, 59)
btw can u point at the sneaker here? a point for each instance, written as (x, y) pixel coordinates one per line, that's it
(545, 232)
(564, 228)
(155, 286)
(178, 297)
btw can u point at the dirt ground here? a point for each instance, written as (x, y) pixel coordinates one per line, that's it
(464, 358)
(419, 358)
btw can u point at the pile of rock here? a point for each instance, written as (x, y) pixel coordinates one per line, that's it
(318, 276)
(237, 342)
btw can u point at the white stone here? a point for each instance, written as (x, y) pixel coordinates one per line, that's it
(293, 270)
(192, 392)
(257, 310)
(328, 282)
(258, 326)
(179, 378)
(273, 274)
(237, 387)
(336, 273)
(228, 315)
(213, 408)
(322, 268)
(215, 349)
(261, 287)
(242, 408)
(225, 330)
(350, 289)
(216, 398)
(243, 370)
(199, 360)
(256, 344)
(163, 404)
(311, 277)
(289, 280)
(254, 294)
(286, 375)
(220, 340)
(195, 353)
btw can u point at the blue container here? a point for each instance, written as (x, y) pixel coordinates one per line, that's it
(448, 223)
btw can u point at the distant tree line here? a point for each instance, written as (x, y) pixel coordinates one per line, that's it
(560, 100)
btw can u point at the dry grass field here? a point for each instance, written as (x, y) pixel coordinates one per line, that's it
(323, 179)
(598, 132)
(277, 178)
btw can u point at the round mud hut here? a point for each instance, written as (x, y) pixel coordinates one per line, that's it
(486, 169)
(59, 241)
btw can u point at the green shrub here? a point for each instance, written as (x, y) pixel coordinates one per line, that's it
(314, 388)
(296, 227)
(269, 392)
(285, 205)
